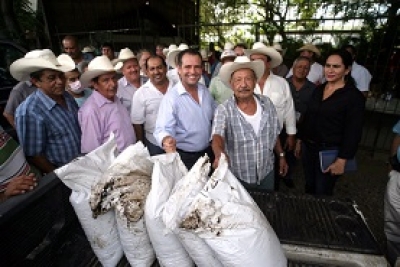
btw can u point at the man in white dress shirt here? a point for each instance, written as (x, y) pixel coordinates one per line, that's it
(278, 90)
(146, 101)
(361, 75)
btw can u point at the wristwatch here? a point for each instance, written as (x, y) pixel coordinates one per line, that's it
(282, 154)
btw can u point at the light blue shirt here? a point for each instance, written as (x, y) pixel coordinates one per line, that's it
(181, 117)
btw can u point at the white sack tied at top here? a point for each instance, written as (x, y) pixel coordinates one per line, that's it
(177, 208)
(226, 217)
(124, 187)
(80, 175)
(167, 171)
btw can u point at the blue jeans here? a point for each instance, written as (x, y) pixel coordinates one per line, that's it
(317, 182)
(266, 184)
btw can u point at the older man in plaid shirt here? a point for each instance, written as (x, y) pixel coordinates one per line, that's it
(246, 127)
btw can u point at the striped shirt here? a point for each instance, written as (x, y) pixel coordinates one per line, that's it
(46, 128)
(251, 155)
(12, 160)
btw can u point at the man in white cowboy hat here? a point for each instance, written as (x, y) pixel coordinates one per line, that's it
(220, 90)
(316, 74)
(247, 124)
(186, 111)
(146, 102)
(130, 82)
(166, 51)
(46, 122)
(103, 112)
(277, 89)
(280, 70)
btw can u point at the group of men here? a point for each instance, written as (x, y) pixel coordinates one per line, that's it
(162, 100)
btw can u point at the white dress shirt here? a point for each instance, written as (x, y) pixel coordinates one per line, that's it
(277, 89)
(361, 76)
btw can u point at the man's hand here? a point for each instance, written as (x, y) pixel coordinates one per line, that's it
(169, 144)
(20, 185)
(216, 160)
(297, 149)
(283, 166)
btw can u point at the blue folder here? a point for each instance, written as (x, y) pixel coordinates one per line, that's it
(327, 157)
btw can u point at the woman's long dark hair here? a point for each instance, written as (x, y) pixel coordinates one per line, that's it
(347, 60)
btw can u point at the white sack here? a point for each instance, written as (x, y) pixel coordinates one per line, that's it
(80, 175)
(168, 169)
(177, 208)
(124, 187)
(230, 222)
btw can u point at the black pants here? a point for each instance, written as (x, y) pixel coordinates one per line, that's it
(290, 160)
(317, 182)
(190, 158)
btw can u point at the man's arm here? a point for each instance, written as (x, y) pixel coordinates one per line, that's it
(290, 119)
(218, 147)
(9, 118)
(42, 163)
(18, 185)
(395, 145)
(283, 167)
(166, 122)
(139, 130)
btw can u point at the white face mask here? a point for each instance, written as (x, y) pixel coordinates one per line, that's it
(76, 87)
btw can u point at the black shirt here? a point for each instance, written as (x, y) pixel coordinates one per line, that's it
(337, 120)
(301, 97)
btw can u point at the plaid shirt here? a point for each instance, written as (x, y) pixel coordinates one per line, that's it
(251, 156)
(46, 128)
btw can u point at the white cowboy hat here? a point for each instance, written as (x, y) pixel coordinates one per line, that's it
(88, 49)
(279, 48)
(310, 47)
(170, 48)
(172, 54)
(124, 55)
(260, 48)
(228, 53)
(228, 46)
(241, 62)
(36, 60)
(98, 66)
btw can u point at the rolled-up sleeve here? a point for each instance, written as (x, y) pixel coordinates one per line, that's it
(138, 110)
(290, 114)
(220, 121)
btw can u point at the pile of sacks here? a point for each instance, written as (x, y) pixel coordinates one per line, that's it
(153, 207)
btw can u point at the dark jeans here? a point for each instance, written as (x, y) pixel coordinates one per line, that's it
(153, 149)
(190, 158)
(317, 182)
(266, 184)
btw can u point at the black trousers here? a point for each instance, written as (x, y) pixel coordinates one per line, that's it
(190, 158)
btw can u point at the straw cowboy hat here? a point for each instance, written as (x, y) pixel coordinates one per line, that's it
(172, 54)
(241, 62)
(124, 55)
(88, 49)
(310, 47)
(228, 53)
(98, 66)
(279, 48)
(228, 46)
(36, 60)
(260, 48)
(170, 48)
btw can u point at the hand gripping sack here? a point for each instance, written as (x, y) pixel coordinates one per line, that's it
(124, 187)
(177, 208)
(168, 169)
(80, 175)
(230, 222)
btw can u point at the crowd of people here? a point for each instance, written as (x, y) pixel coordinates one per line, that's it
(246, 104)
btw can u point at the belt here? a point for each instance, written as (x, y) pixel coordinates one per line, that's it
(193, 152)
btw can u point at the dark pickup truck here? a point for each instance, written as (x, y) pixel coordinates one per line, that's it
(40, 228)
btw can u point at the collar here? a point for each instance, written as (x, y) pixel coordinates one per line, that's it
(100, 100)
(48, 102)
(181, 90)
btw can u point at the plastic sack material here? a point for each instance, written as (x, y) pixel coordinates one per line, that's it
(124, 187)
(177, 208)
(168, 169)
(226, 217)
(80, 175)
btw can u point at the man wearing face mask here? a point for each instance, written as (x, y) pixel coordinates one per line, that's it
(75, 88)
